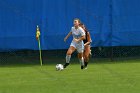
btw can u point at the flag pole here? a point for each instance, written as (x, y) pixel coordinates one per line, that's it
(38, 38)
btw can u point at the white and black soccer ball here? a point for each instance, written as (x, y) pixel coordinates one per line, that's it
(59, 67)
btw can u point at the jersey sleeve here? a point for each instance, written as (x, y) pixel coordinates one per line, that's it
(71, 29)
(82, 32)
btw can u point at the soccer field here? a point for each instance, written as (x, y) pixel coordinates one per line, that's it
(114, 77)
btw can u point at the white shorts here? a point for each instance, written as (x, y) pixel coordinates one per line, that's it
(78, 46)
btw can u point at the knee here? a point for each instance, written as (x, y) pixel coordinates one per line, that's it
(68, 53)
(80, 56)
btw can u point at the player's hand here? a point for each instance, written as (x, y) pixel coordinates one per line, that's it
(76, 40)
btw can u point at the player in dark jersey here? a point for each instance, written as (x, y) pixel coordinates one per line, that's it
(87, 41)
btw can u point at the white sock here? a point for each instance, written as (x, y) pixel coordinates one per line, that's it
(81, 61)
(68, 58)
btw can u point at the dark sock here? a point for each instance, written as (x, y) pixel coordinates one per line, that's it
(66, 64)
(86, 63)
(82, 67)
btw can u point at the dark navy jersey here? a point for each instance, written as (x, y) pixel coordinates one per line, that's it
(86, 38)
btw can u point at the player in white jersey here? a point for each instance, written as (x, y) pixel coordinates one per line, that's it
(76, 44)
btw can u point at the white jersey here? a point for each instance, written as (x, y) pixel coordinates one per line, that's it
(78, 33)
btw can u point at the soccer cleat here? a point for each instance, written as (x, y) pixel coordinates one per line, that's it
(82, 67)
(65, 65)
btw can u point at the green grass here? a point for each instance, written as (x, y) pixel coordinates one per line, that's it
(104, 77)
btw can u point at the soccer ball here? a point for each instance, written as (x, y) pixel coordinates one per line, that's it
(59, 67)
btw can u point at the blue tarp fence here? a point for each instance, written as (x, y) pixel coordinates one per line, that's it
(110, 22)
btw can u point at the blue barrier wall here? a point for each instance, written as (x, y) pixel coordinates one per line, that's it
(110, 22)
(125, 19)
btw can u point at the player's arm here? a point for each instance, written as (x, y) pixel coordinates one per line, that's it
(82, 37)
(79, 39)
(88, 38)
(67, 36)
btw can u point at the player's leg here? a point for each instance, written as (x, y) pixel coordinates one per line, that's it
(81, 59)
(68, 55)
(80, 50)
(86, 54)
